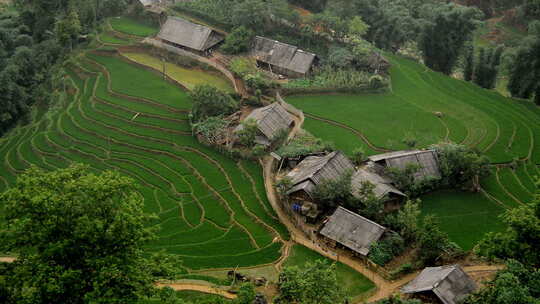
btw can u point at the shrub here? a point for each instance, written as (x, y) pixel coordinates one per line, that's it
(359, 155)
(385, 250)
(213, 130)
(331, 193)
(247, 135)
(304, 144)
(208, 101)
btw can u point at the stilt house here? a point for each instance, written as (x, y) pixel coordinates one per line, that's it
(270, 121)
(427, 161)
(352, 231)
(189, 36)
(282, 58)
(315, 169)
(450, 284)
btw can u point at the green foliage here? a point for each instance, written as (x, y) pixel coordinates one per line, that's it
(487, 67)
(521, 240)
(359, 155)
(372, 206)
(434, 243)
(398, 300)
(247, 135)
(246, 294)
(238, 41)
(315, 283)
(386, 249)
(452, 25)
(303, 144)
(79, 232)
(68, 28)
(340, 57)
(209, 101)
(333, 78)
(517, 284)
(331, 193)
(407, 220)
(460, 166)
(242, 67)
(524, 66)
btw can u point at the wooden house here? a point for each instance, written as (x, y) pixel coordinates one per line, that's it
(270, 120)
(315, 169)
(189, 36)
(384, 188)
(449, 284)
(282, 58)
(352, 231)
(427, 160)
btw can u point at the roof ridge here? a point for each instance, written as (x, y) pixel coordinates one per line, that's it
(360, 216)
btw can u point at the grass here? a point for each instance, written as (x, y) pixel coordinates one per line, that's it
(134, 27)
(354, 283)
(476, 117)
(466, 217)
(187, 77)
(108, 38)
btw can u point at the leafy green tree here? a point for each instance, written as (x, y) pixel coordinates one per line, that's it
(398, 300)
(340, 57)
(357, 27)
(68, 28)
(315, 283)
(468, 70)
(238, 41)
(209, 101)
(521, 240)
(359, 155)
(248, 133)
(372, 206)
(432, 241)
(524, 67)
(250, 13)
(452, 25)
(79, 238)
(517, 284)
(332, 193)
(408, 219)
(246, 294)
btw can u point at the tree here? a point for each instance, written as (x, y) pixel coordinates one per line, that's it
(340, 57)
(408, 219)
(372, 206)
(433, 243)
(238, 41)
(398, 300)
(250, 13)
(209, 101)
(517, 284)
(453, 26)
(468, 70)
(357, 27)
(524, 68)
(359, 155)
(68, 28)
(315, 283)
(331, 193)
(249, 132)
(521, 240)
(79, 238)
(246, 294)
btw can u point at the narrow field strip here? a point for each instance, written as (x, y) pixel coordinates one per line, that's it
(510, 184)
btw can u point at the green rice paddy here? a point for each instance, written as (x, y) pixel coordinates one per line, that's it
(502, 128)
(212, 211)
(133, 27)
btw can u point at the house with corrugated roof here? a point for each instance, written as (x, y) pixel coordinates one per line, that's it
(313, 170)
(426, 160)
(449, 284)
(352, 231)
(270, 120)
(282, 58)
(184, 34)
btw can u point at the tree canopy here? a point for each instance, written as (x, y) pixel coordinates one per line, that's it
(209, 101)
(78, 236)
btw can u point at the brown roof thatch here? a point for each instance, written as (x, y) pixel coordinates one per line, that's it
(270, 120)
(427, 160)
(282, 55)
(383, 185)
(191, 35)
(314, 169)
(449, 283)
(352, 230)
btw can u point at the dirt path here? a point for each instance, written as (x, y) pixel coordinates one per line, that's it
(7, 259)
(199, 288)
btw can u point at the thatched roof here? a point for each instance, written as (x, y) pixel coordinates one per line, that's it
(282, 55)
(426, 159)
(270, 120)
(352, 230)
(383, 185)
(314, 169)
(191, 35)
(149, 2)
(449, 283)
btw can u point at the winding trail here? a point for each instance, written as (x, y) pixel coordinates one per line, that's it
(198, 287)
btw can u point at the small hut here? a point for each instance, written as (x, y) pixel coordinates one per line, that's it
(315, 169)
(427, 161)
(190, 36)
(282, 58)
(384, 188)
(351, 230)
(270, 121)
(450, 284)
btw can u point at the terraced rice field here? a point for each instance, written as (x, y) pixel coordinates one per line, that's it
(212, 210)
(130, 26)
(502, 128)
